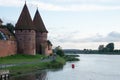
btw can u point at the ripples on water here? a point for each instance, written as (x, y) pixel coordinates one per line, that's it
(90, 67)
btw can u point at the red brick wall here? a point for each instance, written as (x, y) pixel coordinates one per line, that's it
(41, 39)
(7, 48)
(26, 41)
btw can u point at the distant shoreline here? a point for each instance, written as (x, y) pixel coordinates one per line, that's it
(77, 51)
(106, 53)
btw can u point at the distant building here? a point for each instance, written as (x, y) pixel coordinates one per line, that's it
(30, 36)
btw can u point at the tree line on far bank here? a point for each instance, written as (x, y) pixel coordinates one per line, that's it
(103, 49)
(108, 48)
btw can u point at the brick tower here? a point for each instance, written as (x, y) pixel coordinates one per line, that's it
(41, 34)
(25, 33)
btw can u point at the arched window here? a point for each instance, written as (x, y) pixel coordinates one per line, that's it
(2, 36)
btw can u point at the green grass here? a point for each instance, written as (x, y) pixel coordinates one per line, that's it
(58, 63)
(18, 58)
(22, 69)
(60, 60)
(36, 65)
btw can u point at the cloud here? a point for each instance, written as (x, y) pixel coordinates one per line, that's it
(90, 7)
(47, 6)
(60, 7)
(111, 37)
(85, 0)
(74, 38)
(73, 7)
(11, 3)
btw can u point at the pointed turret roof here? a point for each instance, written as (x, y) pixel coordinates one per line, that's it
(24, 21)
(38, 23)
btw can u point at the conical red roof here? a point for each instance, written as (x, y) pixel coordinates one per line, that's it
(38, 23)
(24, 21)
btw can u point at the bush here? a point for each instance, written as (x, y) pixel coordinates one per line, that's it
(60, 52)
(71, 58)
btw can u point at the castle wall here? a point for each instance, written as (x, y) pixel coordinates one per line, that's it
(26, 41)
(41, 39)
(7, 48)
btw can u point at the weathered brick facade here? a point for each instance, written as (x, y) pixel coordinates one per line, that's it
(7, 48)
(26, 41)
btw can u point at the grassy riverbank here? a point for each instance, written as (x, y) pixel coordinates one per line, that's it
(18, 58)
(36, 63)
(29, 63)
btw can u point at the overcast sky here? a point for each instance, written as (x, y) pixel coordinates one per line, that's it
(76, 24)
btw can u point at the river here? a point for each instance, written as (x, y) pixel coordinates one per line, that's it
(90, 67)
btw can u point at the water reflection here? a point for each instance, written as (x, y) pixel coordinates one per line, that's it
(31, 76)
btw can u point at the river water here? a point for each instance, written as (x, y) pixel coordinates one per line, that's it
(90, 67)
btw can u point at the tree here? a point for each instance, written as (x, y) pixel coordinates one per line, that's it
(101, 47)
(10, 27)
(110, 47)
(59, 51)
